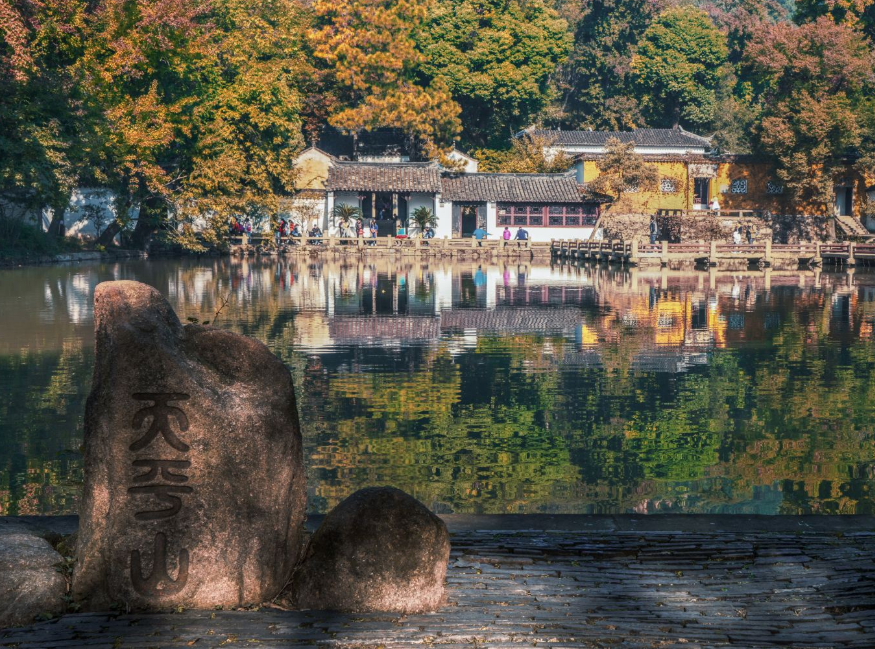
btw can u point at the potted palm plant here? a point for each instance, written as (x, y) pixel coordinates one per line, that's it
(344, 217)
(423, 217)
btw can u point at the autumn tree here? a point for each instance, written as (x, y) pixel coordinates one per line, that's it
(201, 108)
(530, 152)
(680, 62)
(815, 82)
(496, 57)
(854, 13)
(248, 123)
(622, 169)
(368, 50)
(44, 121)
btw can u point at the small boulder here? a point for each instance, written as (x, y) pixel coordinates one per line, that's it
(30, 582)
(194, 477)
(378, 550)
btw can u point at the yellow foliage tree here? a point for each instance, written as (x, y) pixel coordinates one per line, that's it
(370, 53)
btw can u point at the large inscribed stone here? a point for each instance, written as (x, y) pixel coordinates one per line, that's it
(194, 480)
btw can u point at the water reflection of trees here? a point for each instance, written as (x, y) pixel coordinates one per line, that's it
(579, 390)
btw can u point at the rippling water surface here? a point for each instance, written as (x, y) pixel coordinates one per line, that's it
(496, 388)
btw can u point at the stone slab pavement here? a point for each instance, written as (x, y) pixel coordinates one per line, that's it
(715, 582)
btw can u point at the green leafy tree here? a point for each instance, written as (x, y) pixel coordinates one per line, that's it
(496, 57)
(680, 62)
(593, 86)
(45, 122)
(854, 13)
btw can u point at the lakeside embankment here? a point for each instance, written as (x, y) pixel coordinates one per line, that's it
(71, 257)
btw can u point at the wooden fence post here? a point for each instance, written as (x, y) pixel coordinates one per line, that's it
(768, 258)
(712, 258)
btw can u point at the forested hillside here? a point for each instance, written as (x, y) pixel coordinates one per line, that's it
(181, 103)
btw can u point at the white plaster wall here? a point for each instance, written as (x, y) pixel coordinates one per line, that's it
(304, 211)
(443, 288)
(491, 217)
(550, 152)
(471, 165)
(329, 208)
(91, 210)
(546, 234)
(444, 229)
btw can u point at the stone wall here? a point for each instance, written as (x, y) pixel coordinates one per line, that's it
(707, 227)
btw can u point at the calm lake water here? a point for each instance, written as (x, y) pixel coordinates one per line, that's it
(496, 389)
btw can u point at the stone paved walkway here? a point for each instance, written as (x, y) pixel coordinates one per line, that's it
(592, 588)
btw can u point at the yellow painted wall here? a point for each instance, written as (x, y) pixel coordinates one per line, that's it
(312, 170)
(757, 175)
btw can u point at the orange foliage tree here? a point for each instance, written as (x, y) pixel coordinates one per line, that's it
(370, 54)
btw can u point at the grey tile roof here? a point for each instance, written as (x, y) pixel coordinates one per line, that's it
(402, 177)
(513, 319)
(653, 137)
(512, 188)
(358, 329)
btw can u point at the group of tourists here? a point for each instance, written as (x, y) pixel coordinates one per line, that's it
(358, 228)
(238, 227)
(740, 232)
(521, 235)
(293, 231)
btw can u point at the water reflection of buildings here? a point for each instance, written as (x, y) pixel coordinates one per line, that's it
(665, 323)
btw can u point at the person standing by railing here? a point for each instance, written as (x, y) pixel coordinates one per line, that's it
(521, 235)
(654, 230)
(480, 234)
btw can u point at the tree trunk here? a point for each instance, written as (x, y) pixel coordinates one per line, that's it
(58, 212)
(106, 237)
(147, 222)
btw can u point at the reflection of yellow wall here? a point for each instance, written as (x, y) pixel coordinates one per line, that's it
(758, 175)
(717, 326)
(588, 337)
(312, 169)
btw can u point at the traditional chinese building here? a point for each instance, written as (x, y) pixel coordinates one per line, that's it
(546, 205)
(691, 176)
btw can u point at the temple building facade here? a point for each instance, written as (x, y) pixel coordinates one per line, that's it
(691, 176)
(548, 206)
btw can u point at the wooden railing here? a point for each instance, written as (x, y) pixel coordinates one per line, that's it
(711, 251)
(386, 243)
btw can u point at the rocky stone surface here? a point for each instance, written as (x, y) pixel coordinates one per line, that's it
(598, 587)
(31, 584)
(194, 480)
(378, 550)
